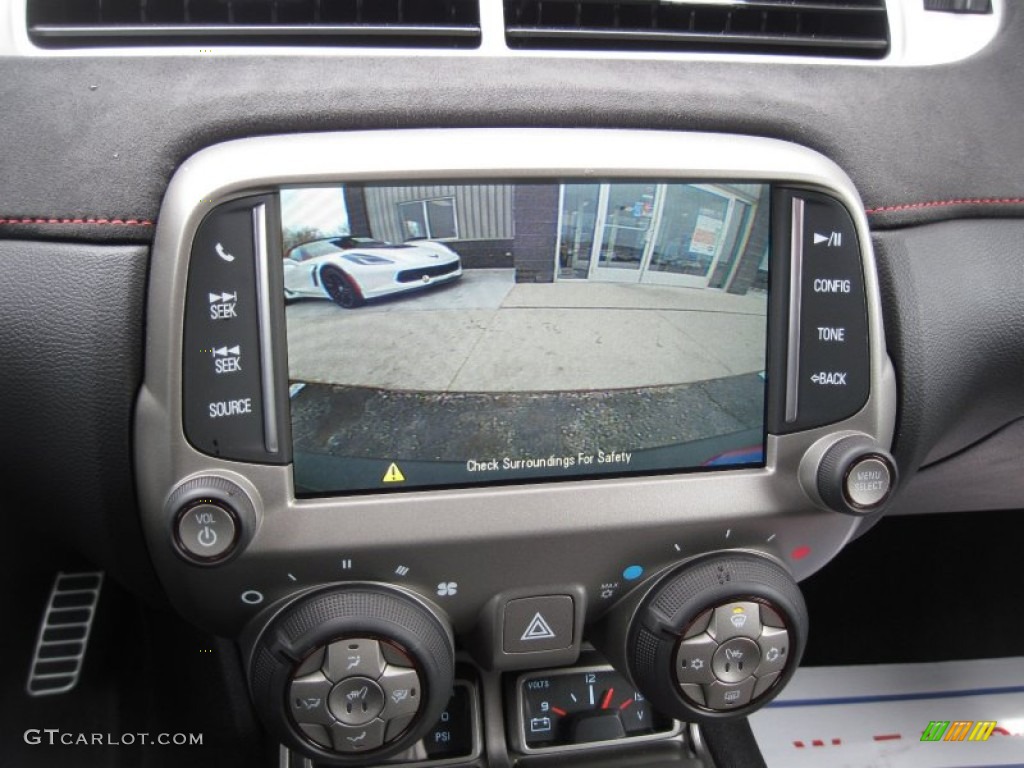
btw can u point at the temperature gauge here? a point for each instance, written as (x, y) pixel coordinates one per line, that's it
(584, 705)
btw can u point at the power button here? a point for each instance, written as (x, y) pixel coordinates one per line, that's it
(206, 531)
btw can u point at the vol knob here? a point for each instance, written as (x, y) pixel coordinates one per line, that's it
(211, 519)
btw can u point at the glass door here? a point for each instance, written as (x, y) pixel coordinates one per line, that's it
(691, 232)
(627, 212)
(578, 223)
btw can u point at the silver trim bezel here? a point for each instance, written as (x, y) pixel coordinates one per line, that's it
(266, 310)
(765, 509)
(796, 282)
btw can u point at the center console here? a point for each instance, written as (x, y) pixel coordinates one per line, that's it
(508, 442)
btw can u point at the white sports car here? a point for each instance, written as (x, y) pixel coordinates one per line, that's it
(350, 270)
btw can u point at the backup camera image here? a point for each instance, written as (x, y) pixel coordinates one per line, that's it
(482, 333)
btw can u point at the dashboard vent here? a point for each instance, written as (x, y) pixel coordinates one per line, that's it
(406, 23)
(822, 27)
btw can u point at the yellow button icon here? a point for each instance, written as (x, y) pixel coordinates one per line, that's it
(393, 475)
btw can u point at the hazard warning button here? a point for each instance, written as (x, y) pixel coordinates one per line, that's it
(538, 624)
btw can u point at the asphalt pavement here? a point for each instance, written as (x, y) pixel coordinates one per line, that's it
(486, 333)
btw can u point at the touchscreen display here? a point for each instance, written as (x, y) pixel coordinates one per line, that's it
(454, 334)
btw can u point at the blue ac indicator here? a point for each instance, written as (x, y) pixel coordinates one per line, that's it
(633, 572)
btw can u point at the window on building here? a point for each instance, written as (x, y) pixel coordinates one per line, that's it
(433, 219)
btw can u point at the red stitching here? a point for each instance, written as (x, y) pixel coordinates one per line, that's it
(101, 222)
(942, 203)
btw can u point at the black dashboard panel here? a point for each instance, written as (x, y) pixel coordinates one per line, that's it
(957, 335)
(71, 344)
(146, 115)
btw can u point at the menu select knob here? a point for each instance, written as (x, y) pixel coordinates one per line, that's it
(855, 476)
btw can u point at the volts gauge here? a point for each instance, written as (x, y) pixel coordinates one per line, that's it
(581, 706)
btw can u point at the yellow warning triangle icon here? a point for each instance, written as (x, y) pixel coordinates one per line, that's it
(393, 475)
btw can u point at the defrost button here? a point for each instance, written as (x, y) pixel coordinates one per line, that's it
(741, 619)
(356, 656)
(307, 699)
(358, 738)
(402, 692)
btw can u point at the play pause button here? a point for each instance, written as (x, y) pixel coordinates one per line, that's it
(535, 624)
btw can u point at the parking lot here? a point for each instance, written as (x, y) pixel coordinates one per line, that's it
(486, 333)
(486, 367)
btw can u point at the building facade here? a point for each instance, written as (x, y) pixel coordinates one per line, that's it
(692, 235)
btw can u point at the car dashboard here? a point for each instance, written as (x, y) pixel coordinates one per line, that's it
(511, 383)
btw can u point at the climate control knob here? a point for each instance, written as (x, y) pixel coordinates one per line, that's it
(717, 637)
(362, 670)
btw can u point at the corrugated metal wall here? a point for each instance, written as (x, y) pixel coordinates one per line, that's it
(482, 211)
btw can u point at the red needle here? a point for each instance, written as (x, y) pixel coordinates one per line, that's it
(559, 711)
(626, 704)
(607, 700)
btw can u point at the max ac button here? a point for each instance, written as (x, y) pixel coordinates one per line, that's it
(206, 531)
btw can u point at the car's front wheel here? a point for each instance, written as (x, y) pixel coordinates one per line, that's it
(341, 288)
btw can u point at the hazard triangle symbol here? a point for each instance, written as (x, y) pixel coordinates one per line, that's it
(393, 475)
(538, 629)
